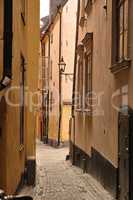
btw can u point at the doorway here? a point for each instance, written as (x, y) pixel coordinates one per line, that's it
(125, 161)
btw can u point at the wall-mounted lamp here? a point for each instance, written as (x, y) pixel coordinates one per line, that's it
(62, 65)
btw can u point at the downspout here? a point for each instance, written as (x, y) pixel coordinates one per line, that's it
(75, 59)
(60, 105)
(7, 49)
(74, 76)
(49, 50)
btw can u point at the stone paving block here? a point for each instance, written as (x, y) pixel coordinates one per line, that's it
(57, 179)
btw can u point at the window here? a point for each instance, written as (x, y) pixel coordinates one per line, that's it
(80, 85)
(66, 43)
(84, 74)
(23, 13)
(22, 85)
(88, 44)
(79, 95)
(52, 38)
(66, 9)
(51, 69)
(120, 18)
(51, 101)
(87, 5)
(122, 10)
(88, 80)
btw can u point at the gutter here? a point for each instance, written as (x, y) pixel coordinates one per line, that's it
(7, 49)
(75, 59)
(74, 82)
(47, 126)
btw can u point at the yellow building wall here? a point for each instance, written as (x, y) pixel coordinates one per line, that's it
(54, 83)
(12, 154)
(66, 114)
(68, 22)
(3, 107)
(69, 13)
(33, 35)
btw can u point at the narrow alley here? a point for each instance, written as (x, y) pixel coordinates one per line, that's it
(57, 179)
(66, 100)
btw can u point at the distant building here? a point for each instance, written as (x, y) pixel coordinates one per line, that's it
(45, 23)
(53, 7)
(58, 43)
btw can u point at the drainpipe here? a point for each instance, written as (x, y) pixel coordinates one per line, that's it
(74, 76)
(60, 80)
(7, 49)
(49, 50)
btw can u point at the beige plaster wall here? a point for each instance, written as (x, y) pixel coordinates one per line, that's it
(101, 130)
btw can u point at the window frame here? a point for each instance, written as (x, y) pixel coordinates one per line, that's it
(84, 50)
(79, 81)
(88, 66)
(88, 80)
(117, 63)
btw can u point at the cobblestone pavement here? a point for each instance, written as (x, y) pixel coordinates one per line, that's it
(57, 179)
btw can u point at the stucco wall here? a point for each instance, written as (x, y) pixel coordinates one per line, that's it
(12, 154)
(67, 51)
(33, 29)
(54, 82)
(68, 46)
(101, 130)
(65, 123)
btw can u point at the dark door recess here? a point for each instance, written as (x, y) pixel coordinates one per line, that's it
(125, 173)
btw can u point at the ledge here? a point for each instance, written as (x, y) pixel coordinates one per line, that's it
(119, 66)
(86, 111)
(79, 110)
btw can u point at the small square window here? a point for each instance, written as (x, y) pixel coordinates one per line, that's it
(52, 38)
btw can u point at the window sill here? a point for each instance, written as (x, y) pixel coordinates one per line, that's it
(119, 66)
(79, 110)
(86, 111)
(67, 103)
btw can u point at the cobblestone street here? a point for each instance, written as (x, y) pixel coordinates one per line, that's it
(57, 179)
